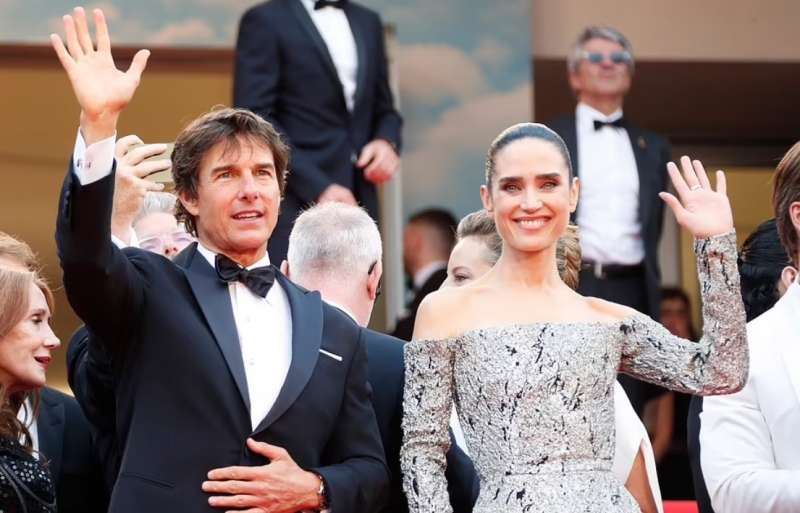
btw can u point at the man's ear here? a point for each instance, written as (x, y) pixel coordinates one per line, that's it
(788, 276)
(285, 269)
(374, 281)
(190, 204)
(486, 198)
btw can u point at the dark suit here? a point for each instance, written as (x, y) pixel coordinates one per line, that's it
(387, 376)
(693, 444)
(65, 441)
(405, 325)
(182, 402)
(285, 73)
(652, 152)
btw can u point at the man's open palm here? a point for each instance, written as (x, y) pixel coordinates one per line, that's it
(101, 89)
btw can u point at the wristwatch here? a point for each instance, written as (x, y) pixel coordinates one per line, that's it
(322, 493)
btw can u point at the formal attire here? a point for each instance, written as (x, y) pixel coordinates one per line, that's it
(750, 454)
(64, 439)
(616, 159)
(536, 400)
(386, 375)
(693, 446)
(25, 482)
(195, 373)
(320, 76)
(427, 280)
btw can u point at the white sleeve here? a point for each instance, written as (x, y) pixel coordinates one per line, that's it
(631, 438)
(95, 162)
(736, 455)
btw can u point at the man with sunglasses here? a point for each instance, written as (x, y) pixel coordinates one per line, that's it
(622, 168)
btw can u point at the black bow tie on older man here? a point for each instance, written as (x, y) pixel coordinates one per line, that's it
(617, 123)
(258, 280)
(319, 4)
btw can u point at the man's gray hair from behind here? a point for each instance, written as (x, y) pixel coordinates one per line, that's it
(157, 203)
(593, 32)
(333, 241)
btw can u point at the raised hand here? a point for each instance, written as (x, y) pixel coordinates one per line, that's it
(701, 210)
(101, 89)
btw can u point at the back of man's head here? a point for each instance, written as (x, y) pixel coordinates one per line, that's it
(439, 231)
(786, 201)
(333, 244)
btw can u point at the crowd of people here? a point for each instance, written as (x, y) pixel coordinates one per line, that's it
(225, 363)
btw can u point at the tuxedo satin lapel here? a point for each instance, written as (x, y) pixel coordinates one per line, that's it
(50, 425)
(301, 14)
(361, 49)
(639, 146)
(215, 302)
(306, 339)
(790, 305)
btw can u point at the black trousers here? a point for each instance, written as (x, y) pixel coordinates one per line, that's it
(629, 290)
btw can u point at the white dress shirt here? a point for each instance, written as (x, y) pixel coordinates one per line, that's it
(264, 325)
(24, 415)
(332, 24)
(750, 440)
(608, 212)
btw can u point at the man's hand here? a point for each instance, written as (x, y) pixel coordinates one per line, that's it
(277, 487)
(130, 185)
(379, 161)
(100, 88)
(335, 192)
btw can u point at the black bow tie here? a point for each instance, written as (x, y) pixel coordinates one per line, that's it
(319, 4)
(617, 123)
(258, 280)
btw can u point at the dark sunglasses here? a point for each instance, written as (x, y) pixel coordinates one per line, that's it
(619, 57)
(380, 282)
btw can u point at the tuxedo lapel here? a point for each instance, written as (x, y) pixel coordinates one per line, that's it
(361, 48)
(639, 146)
(50, 424)
(306, 340)
(214, 299)
(307, 23)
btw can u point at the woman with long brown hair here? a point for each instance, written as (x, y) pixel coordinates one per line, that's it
(26, 342)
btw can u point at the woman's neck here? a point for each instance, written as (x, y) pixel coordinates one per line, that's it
(528, 269)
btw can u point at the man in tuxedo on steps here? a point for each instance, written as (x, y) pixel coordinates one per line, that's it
(235, 389)
(317, 71)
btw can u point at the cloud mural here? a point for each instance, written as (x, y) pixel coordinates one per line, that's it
(464, 72)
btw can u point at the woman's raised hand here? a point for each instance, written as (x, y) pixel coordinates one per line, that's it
(700, 209)
(101, 89)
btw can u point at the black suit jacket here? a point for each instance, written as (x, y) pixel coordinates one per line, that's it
(405, 325)
(182, 405)
(693, 445)
(285, 73)
(65, 441)
(387, 376)
(652, 152)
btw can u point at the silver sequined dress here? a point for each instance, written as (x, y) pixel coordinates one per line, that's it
(535, 401)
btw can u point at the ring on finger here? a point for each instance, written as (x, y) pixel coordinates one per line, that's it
(695, 187)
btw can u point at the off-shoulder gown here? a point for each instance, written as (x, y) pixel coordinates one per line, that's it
(536, 403)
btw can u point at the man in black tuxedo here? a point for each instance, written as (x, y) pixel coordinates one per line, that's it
(622, 168)
(65, 440)
(428, 239)
(211, 412)
(317, 71)
(336, 249)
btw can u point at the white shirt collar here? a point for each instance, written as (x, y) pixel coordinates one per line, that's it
(342, 308)
(421, 276)
(210, 256)
(584, 114)
(308, 4)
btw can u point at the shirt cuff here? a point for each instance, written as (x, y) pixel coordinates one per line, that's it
(95, 162)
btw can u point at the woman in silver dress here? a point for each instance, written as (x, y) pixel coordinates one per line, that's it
(531, 364)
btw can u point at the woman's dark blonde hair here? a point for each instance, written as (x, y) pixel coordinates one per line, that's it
(18, 271)
(568, 249)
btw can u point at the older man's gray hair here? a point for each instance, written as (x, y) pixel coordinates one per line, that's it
(333, 241)
(157, 203)
(593, 32)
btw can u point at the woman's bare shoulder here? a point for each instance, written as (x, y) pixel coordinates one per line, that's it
(441, 314)
(609, 310)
